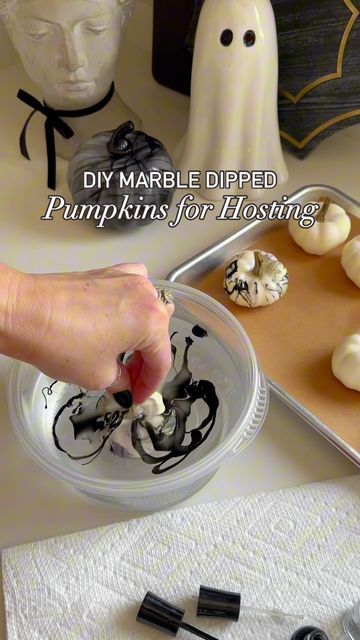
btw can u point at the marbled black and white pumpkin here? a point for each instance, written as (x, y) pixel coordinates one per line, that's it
(255, 279)
(121, 151)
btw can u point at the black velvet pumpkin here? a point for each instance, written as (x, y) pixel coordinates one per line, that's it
(121, 151)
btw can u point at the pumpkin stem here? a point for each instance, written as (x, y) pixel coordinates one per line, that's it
(257, 270)
(323, 211)
(118, 145)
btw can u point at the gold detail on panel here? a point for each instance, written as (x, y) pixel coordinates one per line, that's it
(340, 59)
(322, 127)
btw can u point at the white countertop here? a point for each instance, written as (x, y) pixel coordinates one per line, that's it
(287, 453)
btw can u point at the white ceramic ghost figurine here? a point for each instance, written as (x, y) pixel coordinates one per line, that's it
(233, 122)
(70, 48)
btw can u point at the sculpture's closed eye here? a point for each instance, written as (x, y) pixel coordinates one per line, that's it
(97, 26)
(97, 30)
(37, 35)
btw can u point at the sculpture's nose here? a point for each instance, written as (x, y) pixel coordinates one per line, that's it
(71, 55)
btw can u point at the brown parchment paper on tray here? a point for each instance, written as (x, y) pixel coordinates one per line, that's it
(294, 338)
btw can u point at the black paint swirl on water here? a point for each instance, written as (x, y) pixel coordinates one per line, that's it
(179, 395)
(48, 391)
(199, 332)
(168, 435)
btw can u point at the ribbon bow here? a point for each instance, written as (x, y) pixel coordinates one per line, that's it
(54, 122)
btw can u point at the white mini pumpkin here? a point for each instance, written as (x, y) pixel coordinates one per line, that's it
(151, 407)
(255, 279)
(345, 361)
(331, 227)
(350, 260)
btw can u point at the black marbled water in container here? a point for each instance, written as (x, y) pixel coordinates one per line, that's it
(163, 442)
(128, 152)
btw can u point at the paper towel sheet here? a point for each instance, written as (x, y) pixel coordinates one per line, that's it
(297, 550)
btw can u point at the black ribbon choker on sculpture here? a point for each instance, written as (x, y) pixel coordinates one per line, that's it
(53, 121)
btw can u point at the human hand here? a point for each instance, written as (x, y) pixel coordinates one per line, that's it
(73, 326)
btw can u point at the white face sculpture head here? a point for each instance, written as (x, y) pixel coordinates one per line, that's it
(69, 48)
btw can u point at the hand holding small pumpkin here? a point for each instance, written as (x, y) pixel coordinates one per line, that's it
(72, 326)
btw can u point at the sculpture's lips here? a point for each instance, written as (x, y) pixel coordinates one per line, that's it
(76, 85)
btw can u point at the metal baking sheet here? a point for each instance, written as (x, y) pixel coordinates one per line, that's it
(199, 265)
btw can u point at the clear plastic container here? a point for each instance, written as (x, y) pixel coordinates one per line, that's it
(223, 357)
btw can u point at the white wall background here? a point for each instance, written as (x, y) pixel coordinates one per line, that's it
(141, 27)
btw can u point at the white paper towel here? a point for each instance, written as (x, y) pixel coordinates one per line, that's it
(297, 550)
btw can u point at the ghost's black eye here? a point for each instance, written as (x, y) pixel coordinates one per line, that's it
(249, 38)
(226, 37)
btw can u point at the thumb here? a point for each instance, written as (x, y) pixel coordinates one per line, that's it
(121, 387)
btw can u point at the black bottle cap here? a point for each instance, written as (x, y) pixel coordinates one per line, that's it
(215, 603)
(309, 633)
(160, 614)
